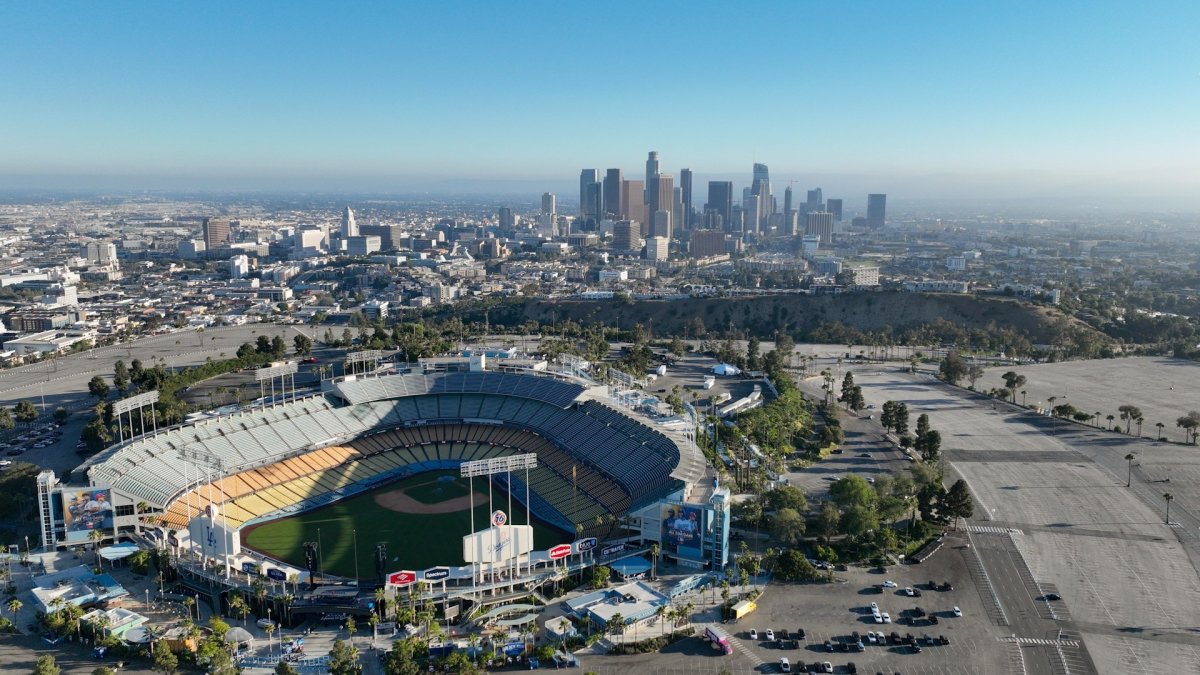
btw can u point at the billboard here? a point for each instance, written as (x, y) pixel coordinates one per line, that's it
(437, 573)
(498, 544)
(402, 578)
(87, 510)
(682, 527)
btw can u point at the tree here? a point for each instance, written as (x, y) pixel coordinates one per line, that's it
(1129, 413)
(278, 347)
(922, 425)
(402, 658)
(285, 668)
(105, 670)
(852, 491)
(303, 344)
(98, 387)
(887, 415)
(847, 388)
(953, 368)
(974, 372)
(61, 415)
(929, 445)
(343, 659)
(165, 661)
(6, 420)
(827, 520)
(958, 503)
(1189, 423)
(785, 497)
(859, 519)
(753, 362)
(615, 624)
(600, 576)
(25, 411)
(793, 566)
(46, 666)
(1013, 382)
(263, 344)
(14, 605)
(900, 418)
(120, 377)
(788, 526)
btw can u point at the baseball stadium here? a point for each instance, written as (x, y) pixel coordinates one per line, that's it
(373, 471)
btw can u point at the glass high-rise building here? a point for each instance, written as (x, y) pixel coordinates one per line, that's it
(876, 210)
(685, 183)
(612, 194)
(720, 200)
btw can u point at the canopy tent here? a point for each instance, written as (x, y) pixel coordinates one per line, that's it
(726, 369)
(118, 551)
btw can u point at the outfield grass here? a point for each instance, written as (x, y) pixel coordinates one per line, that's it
(414, 541)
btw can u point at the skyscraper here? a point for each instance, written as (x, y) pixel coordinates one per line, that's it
(815, 197)
(685, 182)
(586, 178)
(349, 227)
(633, 206)
(652, 172)
(612, 194)
(720, 200)
(549, 205)
(876, 210)
(216, 233)
(761, 173)
(820, 223)
(834, 206)
(627, 235)
(787, 201)
(666, 193)
(662, 225)
(507, 221)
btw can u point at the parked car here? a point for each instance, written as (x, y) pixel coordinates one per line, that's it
(753, 633)
(890, 584)
(957, 611)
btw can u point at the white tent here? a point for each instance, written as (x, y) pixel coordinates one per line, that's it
(726, 369)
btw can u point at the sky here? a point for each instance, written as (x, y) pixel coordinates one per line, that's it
(1085, 100)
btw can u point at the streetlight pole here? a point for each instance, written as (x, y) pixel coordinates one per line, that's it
(1129, 470)
(354, 533)
(1169, 497)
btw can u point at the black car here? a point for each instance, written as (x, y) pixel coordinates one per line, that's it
(828, 646)
(783, 634)
(932, 585)
(916, 648)
(800, 634)
(1052, 596)
(933, 619)
(917, 611)
(943, 639)
(795, 644)
(916, 592)
(946, 586)
(851, 668)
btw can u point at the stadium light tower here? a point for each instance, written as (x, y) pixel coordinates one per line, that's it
(496, 465)
(126, 406)
(284, 372)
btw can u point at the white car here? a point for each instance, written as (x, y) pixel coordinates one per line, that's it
(890, 584)
(870, 480)
(909, 591)
(878, 617)
(785, 665)
(828, 667)
(265, 623)
(957, 612)
(874, 607)
(753, 634)
(871, 637)
(887, 618)
(770, 635)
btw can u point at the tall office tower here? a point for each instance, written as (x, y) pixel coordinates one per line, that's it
(787, 202)
(216, 233)
(815, 197)
(633, 206)
(549, 204)
(657, 249)
(820, 223)
(666, 193)
(834, 206)
(876, 211)
(652, 174)
(720, 200)
(349, 227)
(752, 207)
(705, 243)
(685, 182)
(612, 194)
(594, 196)
(507, 221)
(761, 173)
(662, 224)
(586, 178)
(627, 236)
(677, 210)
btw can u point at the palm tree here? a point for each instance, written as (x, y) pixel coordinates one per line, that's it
(1129, 469)
(615, 624)
(1022, 398)
(1169, 497)
(189, 602)
(14, 605)
(1160, 426)
(1110, 419)
(653, 560)
(95, 536)
(1096, 418)
(238, 605)
(1139, 419)
(661, 613)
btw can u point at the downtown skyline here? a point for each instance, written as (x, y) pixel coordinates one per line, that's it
(930, 102)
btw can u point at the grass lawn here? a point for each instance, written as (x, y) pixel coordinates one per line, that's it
(414, 541)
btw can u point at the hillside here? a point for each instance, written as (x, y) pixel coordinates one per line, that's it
(799, 315)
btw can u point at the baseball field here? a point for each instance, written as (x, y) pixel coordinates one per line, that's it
(421, 519)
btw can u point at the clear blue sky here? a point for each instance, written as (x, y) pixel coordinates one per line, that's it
(987, 97)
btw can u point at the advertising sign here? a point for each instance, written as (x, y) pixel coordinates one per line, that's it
(584, 545)
(276, 574)
(681, 527)
(560, 551)
(437, 573)
(87, 510)
(612, 550)
(499, 518)
(249, 567)
(402, 578)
